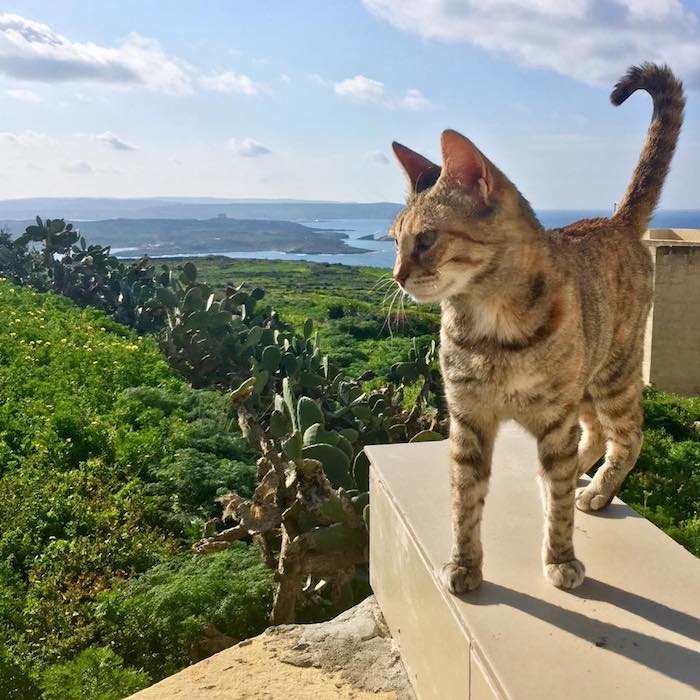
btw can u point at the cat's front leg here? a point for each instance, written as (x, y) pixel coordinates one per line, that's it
(471, 448)
(557, 444)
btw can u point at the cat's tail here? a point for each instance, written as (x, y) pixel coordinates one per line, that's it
(644, 190)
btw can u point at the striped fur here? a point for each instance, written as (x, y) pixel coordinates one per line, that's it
(644, 190)
(542, 327)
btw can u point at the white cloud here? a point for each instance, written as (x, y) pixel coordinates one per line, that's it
(414, 100)
(77, 167)
(249, 148)
(111, 139)
(26, 138)
(24, 95)
(33, 51)
(379, 157)
(285, 78)
(593, 41)
(364, 89)
(230, 81)
(361, 89)
(319, 80)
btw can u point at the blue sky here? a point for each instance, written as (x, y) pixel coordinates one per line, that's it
(302, 99)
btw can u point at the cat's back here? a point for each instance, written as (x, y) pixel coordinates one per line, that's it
(603, 249)
(612, 270)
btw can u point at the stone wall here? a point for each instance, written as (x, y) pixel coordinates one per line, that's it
(672, 360)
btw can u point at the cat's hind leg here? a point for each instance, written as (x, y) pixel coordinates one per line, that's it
(619, 409)
(592, 445)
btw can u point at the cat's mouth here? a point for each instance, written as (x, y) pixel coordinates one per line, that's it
(427, 289)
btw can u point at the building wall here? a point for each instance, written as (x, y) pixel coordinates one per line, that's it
(673, 350)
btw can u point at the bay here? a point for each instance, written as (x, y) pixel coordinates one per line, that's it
(382, 252)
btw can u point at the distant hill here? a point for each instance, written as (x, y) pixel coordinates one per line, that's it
(217, 235)
(96, 208)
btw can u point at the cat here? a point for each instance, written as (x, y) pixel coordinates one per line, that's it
(545, 327)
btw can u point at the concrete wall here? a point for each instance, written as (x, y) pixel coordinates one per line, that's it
(672, 348)
(628, 633)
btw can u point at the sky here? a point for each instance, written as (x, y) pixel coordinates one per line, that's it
(230, 98)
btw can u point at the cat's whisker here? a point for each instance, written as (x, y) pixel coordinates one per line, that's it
(387, 295)
(382, 281)
(397, 313)
(393, 299)
(403, 307)
(388, 315)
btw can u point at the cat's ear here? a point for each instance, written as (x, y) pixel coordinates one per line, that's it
(465, 166)
(421, 172)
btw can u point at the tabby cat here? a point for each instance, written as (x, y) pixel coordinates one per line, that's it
(545, 327)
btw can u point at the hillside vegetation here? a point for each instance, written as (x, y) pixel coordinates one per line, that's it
(109, 465)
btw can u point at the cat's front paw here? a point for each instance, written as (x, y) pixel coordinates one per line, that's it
(588, 498)
(567, 574)
(460, 579)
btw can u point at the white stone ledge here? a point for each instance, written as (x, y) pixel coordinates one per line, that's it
(631, 631)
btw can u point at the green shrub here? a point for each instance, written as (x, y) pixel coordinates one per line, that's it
(109, 464)
(96, 673)
(196, 478)
(336, 311)
(672, 413)
(665, 484)
(184, 444)
(152, 621)
(15, 682)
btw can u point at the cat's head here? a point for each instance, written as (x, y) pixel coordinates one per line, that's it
(460, 222)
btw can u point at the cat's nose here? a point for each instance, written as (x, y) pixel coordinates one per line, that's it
(401, 276)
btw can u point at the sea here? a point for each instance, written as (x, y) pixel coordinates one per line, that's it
(382, 252)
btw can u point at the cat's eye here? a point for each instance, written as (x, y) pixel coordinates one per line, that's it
(425, 241)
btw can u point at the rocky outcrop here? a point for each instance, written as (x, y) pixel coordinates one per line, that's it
(351, 656)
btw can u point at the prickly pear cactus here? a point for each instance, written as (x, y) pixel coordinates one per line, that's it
(310, 511)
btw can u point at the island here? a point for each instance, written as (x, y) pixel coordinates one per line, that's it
(221, 234)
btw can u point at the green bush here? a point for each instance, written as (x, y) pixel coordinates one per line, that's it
(185, 444)
(336, 311)
(674, 414)
(96, 673)
(153, 620)
(665, 484)
(15, 682)
(109, 464)
(198, 477)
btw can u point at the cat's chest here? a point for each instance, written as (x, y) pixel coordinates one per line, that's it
(509, 380)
